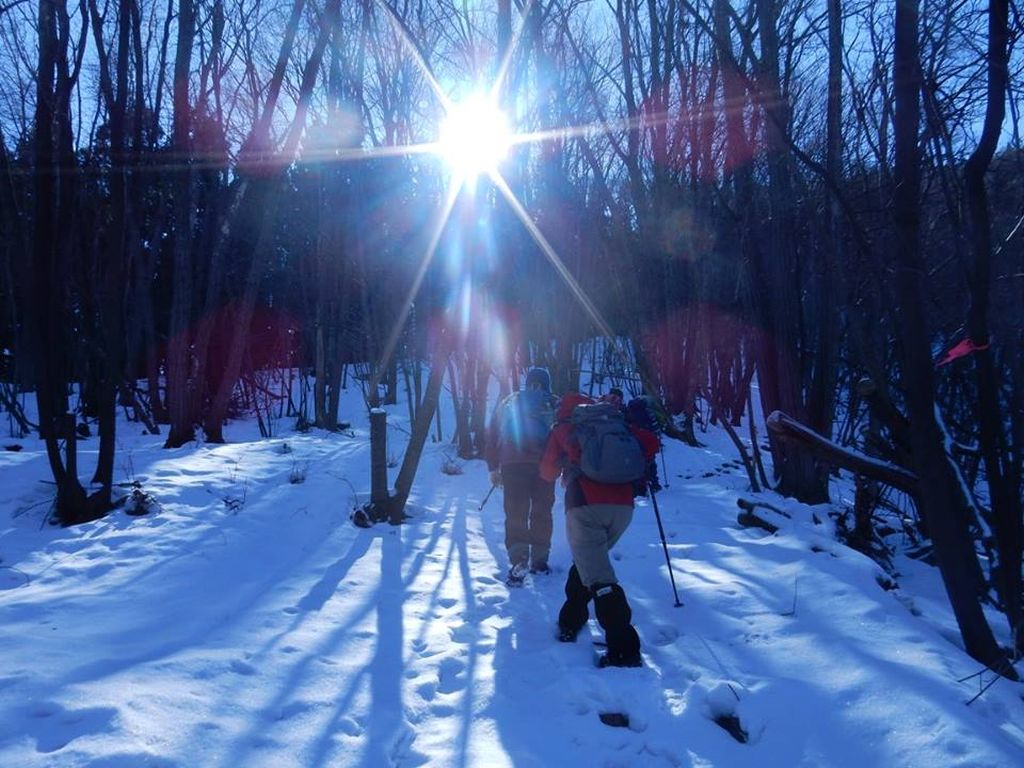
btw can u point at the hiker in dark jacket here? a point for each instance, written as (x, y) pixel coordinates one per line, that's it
(642, 412)
(596, 516)
(614, 397)
(516, 441)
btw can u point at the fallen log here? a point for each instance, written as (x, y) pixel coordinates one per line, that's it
(748, 518)
(792, 431)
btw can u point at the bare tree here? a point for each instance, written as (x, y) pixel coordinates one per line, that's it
(179, 351)
(1004, 478)
(54, 197)
(943, 503)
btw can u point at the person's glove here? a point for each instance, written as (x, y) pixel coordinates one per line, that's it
(496, 477)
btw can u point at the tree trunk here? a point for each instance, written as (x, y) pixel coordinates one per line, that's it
(821, 398)
(478, 419)
(421, 428)
(111, 282)
(45, 305)
(1005, 497)
(782, 356)
(12, 240)
(460, 406)
(379, 460)
(179, 348)
(943, 500)
(54, 188)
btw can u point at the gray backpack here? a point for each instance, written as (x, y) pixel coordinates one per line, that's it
(609, 451)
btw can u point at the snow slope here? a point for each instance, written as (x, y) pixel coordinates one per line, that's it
(247, 622)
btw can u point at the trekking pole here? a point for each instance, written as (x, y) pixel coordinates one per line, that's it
(481, 507)
(664, 545)
(664, 470)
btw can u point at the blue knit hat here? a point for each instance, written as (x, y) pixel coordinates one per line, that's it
(539, 376)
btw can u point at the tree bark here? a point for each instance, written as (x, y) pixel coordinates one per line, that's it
(112, 261)
(421, 427)
(942, 498)
(782, 356)
(179, 349)
(54, 191)
(1006, 500)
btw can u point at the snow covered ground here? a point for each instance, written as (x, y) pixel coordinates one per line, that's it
(247, 622)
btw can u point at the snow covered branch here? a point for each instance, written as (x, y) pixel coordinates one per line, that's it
(787, 428)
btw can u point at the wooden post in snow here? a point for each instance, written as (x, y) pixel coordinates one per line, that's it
(378, 458)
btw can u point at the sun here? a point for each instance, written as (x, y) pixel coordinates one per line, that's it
(474, 137)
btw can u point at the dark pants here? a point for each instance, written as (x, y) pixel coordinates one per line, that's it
(615, 617)
(613, 614)
(528, 502)
(576, 608)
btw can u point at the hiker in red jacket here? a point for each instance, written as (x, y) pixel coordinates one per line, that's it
(596, 516)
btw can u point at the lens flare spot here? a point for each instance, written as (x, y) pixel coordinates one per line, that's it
(475, 137)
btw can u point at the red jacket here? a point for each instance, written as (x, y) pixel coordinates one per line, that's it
(562, 450)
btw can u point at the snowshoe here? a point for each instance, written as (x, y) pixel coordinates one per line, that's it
(541, 568)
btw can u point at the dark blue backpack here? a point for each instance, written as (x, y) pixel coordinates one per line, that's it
(526, 418)
(609, 451)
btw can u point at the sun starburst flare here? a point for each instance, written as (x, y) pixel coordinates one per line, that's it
(474, 139)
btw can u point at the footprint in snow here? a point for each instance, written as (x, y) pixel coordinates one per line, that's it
(68, 725)
(665, 635)
(464, 633)
(12, 578)
(724, 707)
(350, 727)
(242, 668)
(293, 709)
(112, 542)
(427, 691)
(450, 677)
(46, 709)
(428, 653)
(97, 571)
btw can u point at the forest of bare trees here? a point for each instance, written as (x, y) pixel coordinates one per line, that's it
(804, 203)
